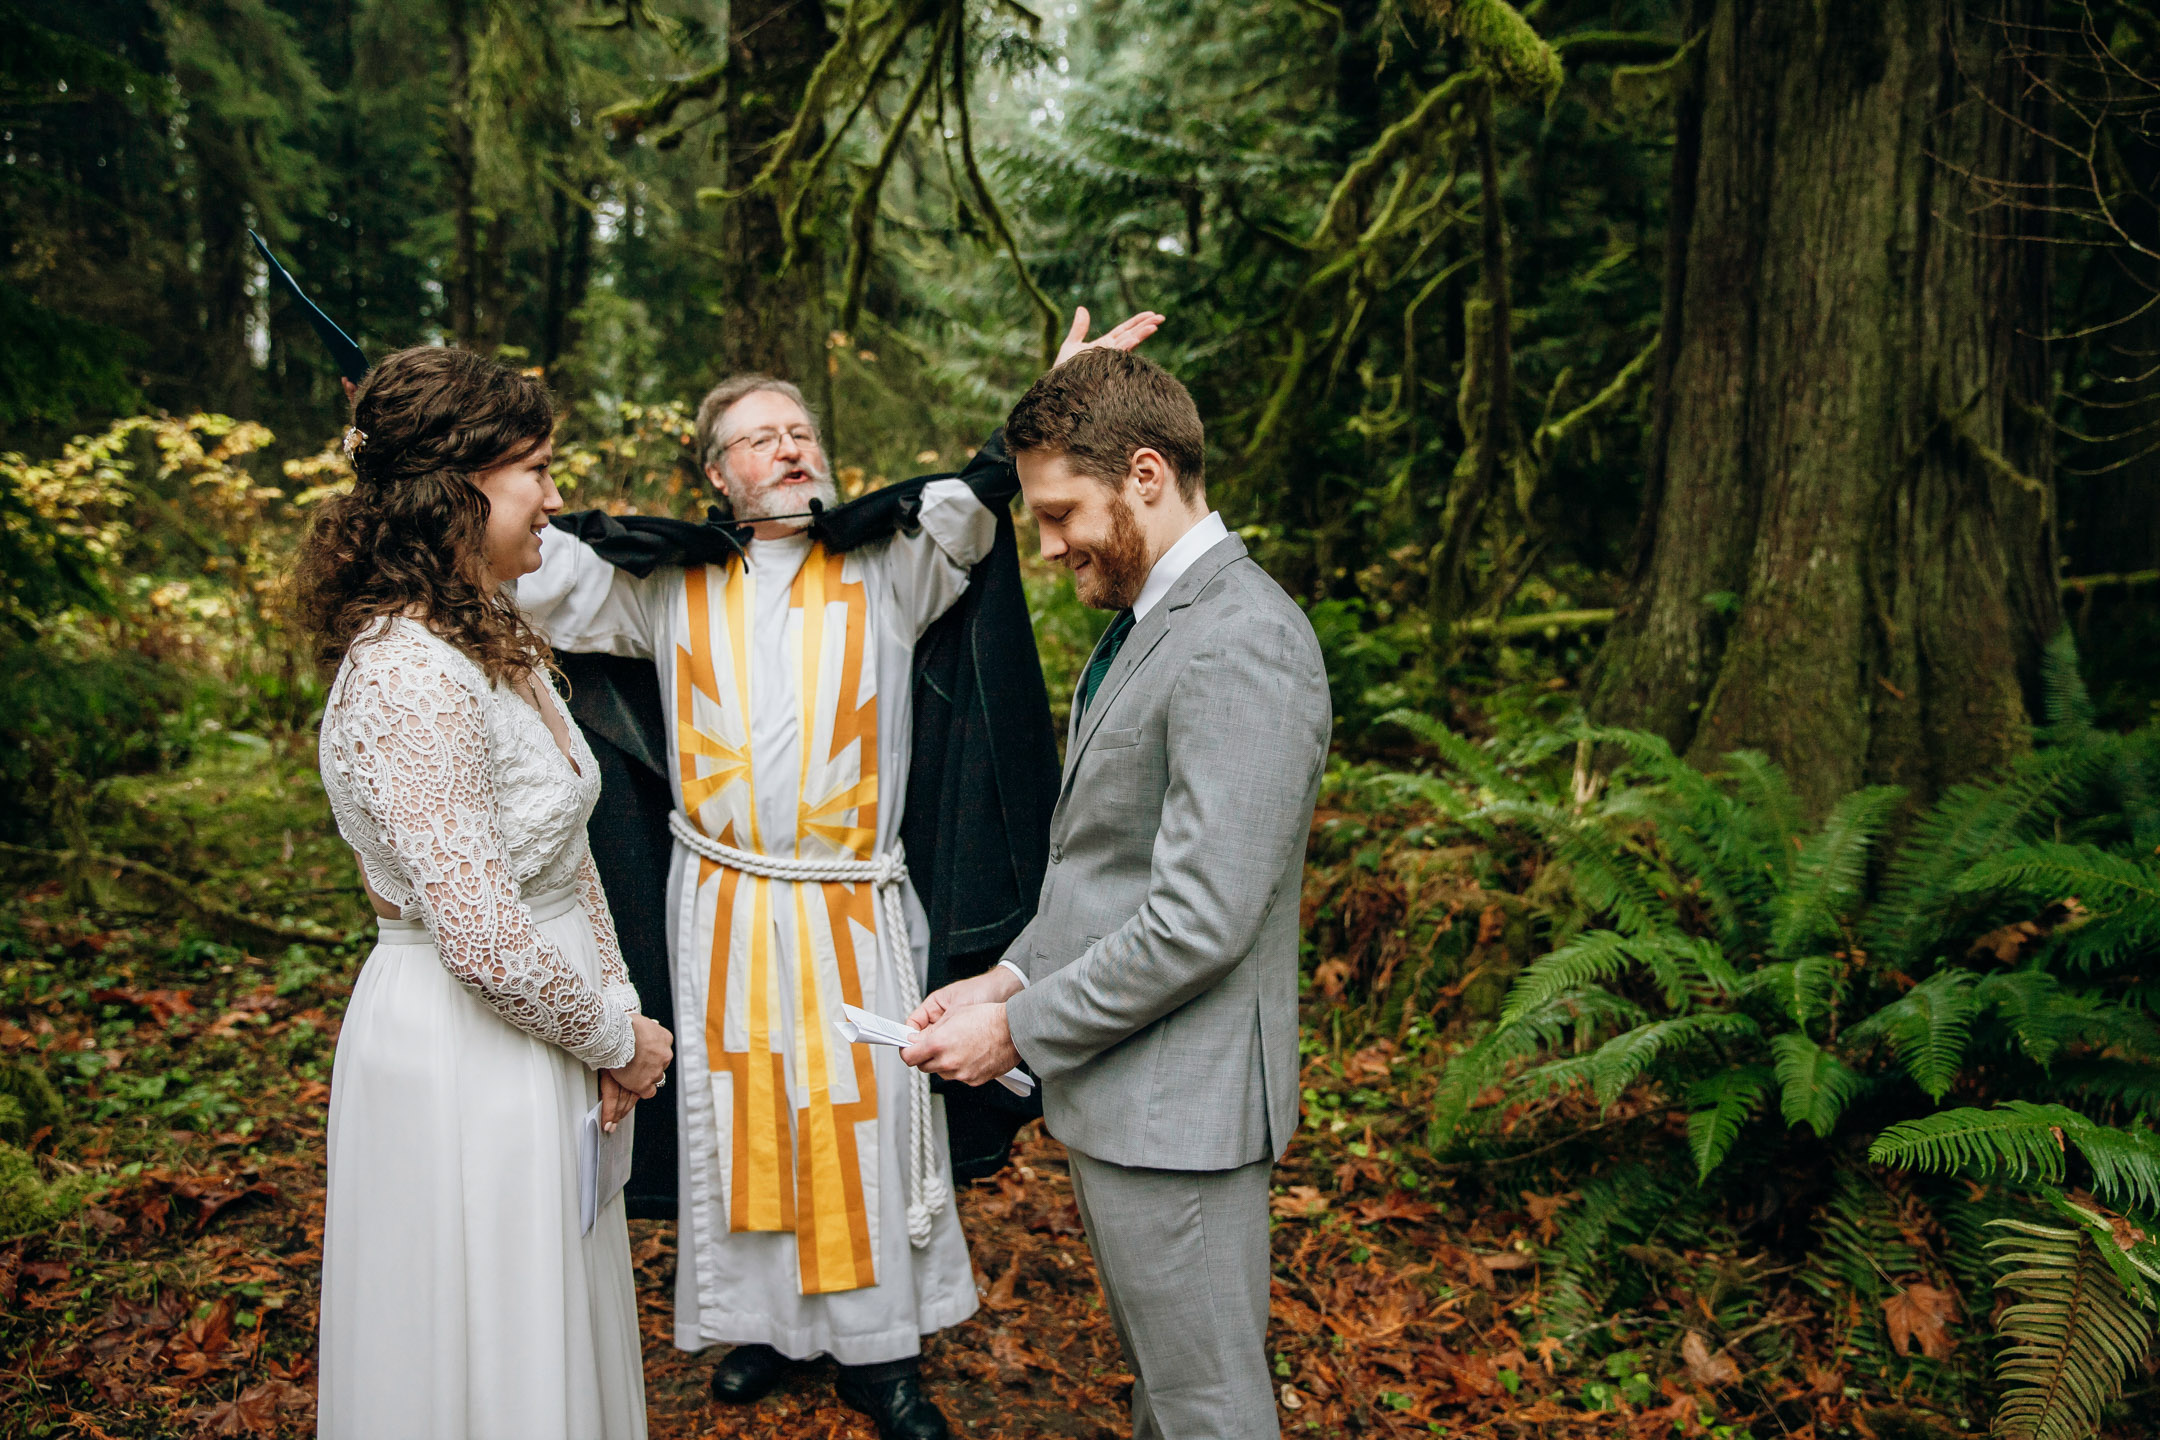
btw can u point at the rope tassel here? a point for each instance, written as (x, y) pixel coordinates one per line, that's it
(928, 1190)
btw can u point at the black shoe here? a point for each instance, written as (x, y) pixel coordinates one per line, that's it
(747, 1374)
(892, 1396)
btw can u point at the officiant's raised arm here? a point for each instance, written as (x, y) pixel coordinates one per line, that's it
(584, 604)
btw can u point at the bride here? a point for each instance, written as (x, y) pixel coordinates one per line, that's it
(459, 1300)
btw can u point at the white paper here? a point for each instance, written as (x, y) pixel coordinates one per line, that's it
(860, 1027)
(603, 1165)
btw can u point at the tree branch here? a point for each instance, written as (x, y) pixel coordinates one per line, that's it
(304, 932)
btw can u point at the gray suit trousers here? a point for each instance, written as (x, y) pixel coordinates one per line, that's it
(1183, 1256)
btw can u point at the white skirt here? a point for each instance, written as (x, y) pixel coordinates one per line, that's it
(459, 1301)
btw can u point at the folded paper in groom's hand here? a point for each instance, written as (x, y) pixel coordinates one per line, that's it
(860, 1027)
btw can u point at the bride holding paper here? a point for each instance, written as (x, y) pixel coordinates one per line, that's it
(475, 1283)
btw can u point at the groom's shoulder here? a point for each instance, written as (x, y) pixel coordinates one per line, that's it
(1245, 604)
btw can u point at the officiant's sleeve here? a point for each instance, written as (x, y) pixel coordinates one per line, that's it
(929, 567)
(587, 606)
(1234, 819)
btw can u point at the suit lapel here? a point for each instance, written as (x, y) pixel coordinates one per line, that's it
(1146, 634)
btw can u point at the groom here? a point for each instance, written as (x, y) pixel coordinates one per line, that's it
(1155, 992)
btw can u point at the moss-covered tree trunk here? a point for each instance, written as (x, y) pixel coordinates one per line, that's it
(771, 310)
(1846, 558)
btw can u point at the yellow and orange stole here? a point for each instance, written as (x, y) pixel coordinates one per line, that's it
(794, 1106)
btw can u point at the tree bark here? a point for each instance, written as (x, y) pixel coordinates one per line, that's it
(1847, 558)
(771, 315)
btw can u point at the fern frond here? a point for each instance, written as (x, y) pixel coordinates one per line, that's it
(1824, 890)
(2029, 1142)
(1620, 1061)
(1467, 758)
(2067, 704)
(1970, 823)
(1607, 878)
(2040, 1014)
(2122, 894)
(1928, 1029)
(1599, 956)
(1726, 1101)
(1806, 988)
(2075, 1332)
(1816, 1085)
(2132, 1084)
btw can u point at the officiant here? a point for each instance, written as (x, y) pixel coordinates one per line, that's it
(832, 740)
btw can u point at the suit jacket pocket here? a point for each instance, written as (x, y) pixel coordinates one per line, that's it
(1115, 739)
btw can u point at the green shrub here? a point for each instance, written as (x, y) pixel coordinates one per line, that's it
(1803, 989)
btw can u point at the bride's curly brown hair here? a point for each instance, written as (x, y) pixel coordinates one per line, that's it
(407, 539)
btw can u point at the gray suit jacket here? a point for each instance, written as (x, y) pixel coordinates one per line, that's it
(1162, 963)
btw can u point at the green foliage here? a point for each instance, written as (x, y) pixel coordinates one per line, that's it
(28, 1104)
(2029, 1143)
(29, 1202)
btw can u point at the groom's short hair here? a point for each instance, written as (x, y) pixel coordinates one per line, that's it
(721, 399)
(1097, 408)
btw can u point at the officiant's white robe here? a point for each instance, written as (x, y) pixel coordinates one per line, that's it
(794, 1192)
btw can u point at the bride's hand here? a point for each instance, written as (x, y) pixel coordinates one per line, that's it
(648, 1067)
(616, 1103)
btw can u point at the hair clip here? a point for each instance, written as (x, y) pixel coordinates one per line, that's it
(354, 439)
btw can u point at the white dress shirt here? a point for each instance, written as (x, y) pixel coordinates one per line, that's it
(1175, 561)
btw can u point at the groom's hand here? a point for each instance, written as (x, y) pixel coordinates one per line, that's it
(971, 1045)
(993, 987)
(1125, 337)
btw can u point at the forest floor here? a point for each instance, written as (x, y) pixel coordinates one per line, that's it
(180, 1299)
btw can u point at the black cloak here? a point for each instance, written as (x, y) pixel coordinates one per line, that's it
(982, 778)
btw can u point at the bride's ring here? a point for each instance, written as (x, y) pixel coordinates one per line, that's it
(660, 1084)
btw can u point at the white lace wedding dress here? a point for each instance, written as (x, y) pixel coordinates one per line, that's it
(459, 1301)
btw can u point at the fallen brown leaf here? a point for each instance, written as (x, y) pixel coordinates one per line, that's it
(1922, 1313)
(1706, 1368)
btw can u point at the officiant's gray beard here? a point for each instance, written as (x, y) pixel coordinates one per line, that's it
(757, 504)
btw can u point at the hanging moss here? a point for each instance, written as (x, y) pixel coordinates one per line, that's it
(1503, 42)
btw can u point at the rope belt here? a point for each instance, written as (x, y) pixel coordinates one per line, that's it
(885, 873)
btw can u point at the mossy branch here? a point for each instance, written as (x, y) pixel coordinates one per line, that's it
(1397, 140)
(303, 932)
(862, 214)
(1501, 40)
(628, 119)
(1552, 433)
(1615, 47)
(990, 209)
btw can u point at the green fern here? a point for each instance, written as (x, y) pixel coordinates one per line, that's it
(2122, 894)
(1928, 1029)
(1922, 890)
(2076, 1331)
(1724, 1102)
(1824, 892)
(1806, 989)
(2068, 706)
(1679, 963)
(1815, 1085)
(2029, 1142)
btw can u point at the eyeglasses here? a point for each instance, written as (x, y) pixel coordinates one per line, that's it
(765, 442)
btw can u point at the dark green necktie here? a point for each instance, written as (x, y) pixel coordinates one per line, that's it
(1104, 654)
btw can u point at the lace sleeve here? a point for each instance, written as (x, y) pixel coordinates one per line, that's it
(413, 743)
(615, 986)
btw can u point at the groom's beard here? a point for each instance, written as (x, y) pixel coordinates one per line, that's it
(775, 498)
(1118, 567)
